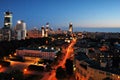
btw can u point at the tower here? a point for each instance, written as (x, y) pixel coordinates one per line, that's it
(46, 30)
(70, 27)
(7, 20)
(6, 30)
(43, 31)
(21, 30)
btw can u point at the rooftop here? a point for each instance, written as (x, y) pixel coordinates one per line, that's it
(94, 64)
(42, 49)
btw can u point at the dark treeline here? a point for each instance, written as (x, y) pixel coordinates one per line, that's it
(8, 47)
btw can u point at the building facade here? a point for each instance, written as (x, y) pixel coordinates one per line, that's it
(46, 30)
(87, 69)
(6, 30)
(71, 28)
(34, 33)
(43, 31)
(20, 30)
(8, 20)
(43, 53)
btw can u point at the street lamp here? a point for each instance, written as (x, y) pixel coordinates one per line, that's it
(25, 70)
(0, 66)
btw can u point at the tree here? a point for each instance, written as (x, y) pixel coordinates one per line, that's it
(60, 73)
(8, 47)
(13, 75)
(69, 66)
(16, 74)
(48, 67)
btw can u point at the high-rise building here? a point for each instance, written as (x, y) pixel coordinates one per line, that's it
(8, 20)
(70, 27)
(46, 30)
(20, 30)
(43, 31)
(6, 30)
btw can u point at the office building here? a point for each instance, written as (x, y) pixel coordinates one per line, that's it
(70, 27)
(20, 30)
(46, 30)
(8, 20)
(43, 31)
(6, 30)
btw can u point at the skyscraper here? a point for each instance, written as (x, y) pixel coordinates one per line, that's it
(7, 20)
(20, 30)
(43, 31)
(6, 30)
(46, 30)
(70, 27)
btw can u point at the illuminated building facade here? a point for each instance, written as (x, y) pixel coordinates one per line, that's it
(20, 30)
(34, 33)
(87, 69)
(70, 27)
(43, 53)
(43, 31)
(46, 30)
(6, 30)
(8, 20)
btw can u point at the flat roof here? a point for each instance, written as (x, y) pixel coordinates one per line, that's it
(47, 49)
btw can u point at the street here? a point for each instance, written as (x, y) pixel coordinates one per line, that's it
(61, 63)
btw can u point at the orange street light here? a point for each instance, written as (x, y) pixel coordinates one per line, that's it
(25, 70)
(0, 66)
(15, 54)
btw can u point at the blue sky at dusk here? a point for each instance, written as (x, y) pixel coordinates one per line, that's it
(82, 13)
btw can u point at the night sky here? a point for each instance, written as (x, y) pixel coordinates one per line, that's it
(59, 13)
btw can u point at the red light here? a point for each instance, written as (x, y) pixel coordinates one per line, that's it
(25, 70)
(0, 66)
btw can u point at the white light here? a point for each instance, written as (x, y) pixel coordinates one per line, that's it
(47, 25)
(55, 56)
(19, 22)
(59, 49)
(52, 48)
(39, 47)
(6, 23)
(68, 41)
(46, 48)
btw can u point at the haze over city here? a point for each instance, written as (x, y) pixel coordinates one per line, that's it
(83, 14)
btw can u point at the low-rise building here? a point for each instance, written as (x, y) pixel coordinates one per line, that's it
(44, 53)
(87, 69)
(34, 33)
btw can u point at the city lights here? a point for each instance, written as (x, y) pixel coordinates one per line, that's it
(60, 40)
(0, 66)
(25, 70)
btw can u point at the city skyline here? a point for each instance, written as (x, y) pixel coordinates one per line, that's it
(59, 13)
